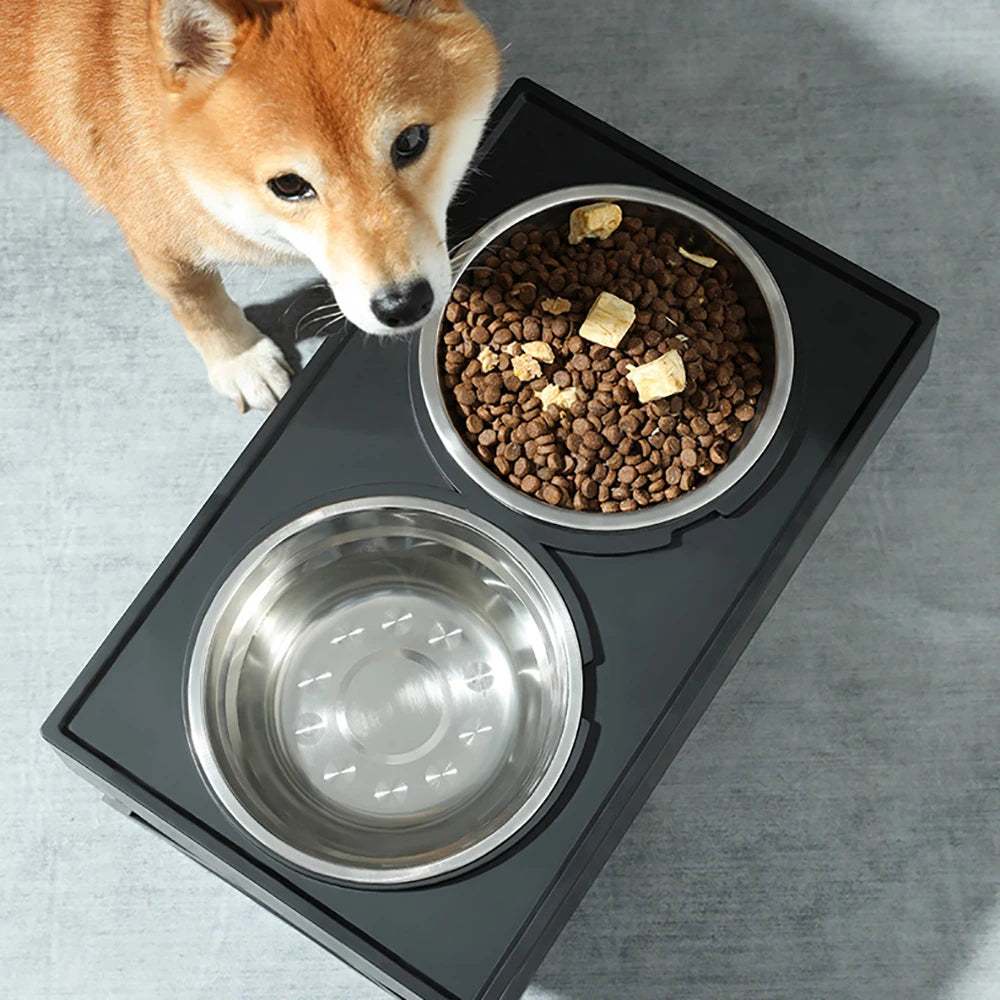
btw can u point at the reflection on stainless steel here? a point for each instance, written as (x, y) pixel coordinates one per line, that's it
(385, 690)
(694, 227)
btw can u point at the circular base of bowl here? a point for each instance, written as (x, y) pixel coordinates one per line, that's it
(396, 706)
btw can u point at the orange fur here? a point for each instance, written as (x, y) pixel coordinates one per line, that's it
(175, 123)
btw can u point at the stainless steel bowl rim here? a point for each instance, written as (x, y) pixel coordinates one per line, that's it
(208, 763)
(663, 513)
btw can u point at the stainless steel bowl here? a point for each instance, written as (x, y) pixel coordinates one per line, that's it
(385, 690)
(698, 229)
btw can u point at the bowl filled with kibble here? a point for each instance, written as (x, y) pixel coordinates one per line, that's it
(610, 358)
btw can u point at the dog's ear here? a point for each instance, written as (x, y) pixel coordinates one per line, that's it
(198, 38)
(412, 8)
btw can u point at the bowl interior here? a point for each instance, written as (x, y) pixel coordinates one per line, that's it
(385, 689)
(694, 236)
(693, 228)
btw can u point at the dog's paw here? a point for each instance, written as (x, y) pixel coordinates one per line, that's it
(256, 378)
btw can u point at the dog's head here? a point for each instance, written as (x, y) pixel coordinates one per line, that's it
(337, 129)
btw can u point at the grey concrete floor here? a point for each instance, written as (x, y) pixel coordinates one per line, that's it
(831, 828)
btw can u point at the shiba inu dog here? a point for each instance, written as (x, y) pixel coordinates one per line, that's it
(261, 132)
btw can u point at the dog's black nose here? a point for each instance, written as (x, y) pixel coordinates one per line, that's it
(403, 305)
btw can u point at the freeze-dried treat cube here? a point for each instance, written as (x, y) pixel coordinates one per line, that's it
(556, 306)
(488, 359)
(540, 350)
(597, 221)
(609, 319)
(552, 395)
(660, 378)
(526, 367)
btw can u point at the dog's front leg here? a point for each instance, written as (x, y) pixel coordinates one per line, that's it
(242, 364)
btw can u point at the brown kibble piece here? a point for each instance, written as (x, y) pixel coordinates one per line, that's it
(629, 423)
(718, 453)
(532, 328)
(526, 291)
(551, 494)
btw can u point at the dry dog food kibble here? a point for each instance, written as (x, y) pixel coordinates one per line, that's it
(599, 366)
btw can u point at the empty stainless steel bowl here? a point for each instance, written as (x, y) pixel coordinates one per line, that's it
(693, 226)
(385, 690)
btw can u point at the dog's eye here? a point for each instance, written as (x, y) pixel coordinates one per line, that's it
(291, 187)
(410, 144)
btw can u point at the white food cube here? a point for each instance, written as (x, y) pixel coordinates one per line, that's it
(609, 319)
(540, 350)
(552, 395)
(488, 359)
(597, 221)
(660, 378)
(526, 367)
